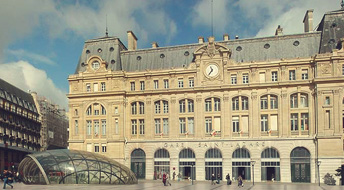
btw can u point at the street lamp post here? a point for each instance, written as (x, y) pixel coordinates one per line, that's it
(252, 163)
(192, 173)
(318, 163)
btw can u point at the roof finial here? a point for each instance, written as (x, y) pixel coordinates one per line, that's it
(342, 4)
(212, 24)
(106, 30)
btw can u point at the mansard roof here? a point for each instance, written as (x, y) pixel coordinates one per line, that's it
(17, 96)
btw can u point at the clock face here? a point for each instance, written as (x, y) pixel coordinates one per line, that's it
(95, 65)
(212, 70)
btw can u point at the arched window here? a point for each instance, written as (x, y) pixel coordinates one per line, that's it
(187, 163)
(293, 101)
(161, 106)
(136, 105)
(161, 163)
(103, 110)
(240, 100)
(269, 99)
(270, 160)
(300, 160)
(138, 163)
(213, 163)
(209, 102)
(186, 103)
(303, 100)
(241, 164)
(96, 108)
(89, 110)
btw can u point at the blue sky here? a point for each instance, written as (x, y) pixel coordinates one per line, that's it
(41, 40)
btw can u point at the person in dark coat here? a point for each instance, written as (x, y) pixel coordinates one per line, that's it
(218, 178)
(228, 178)
(8, 179)
(213, 179)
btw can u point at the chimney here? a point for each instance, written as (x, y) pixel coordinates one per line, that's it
(155, 45)
(279, 31)
(236, 37)
(200, 40)
(132, 41)
(225, 37)
(308, 21)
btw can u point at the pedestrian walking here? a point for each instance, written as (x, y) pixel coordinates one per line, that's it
(179, 176)
(174, 175)
(168, 180)
(164, 179)
(228, 178)
(213, 179)
(240, 183)
(8, 179)
(218, 178)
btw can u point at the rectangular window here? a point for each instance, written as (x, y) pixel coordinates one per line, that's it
(157, 126)
(142, 108)
(116, 126)
(264, 123)
(103, 127)
(245, 78)
(134, 127)
(217, 124)
(343, 69)
(180, 83)
(190, 106)
(89, 127)
(134, 108)
(165, 104)
(165, 125)
(191, 125)
(88, 87)
(264, 102)
(292, 75)
(191, 82)
(76, 131)
(327, 100)
(304, 74)
(103, 87)
(116, 110)
(103, 147)
(233, 79)
(262, 77)
(166, 84)
(182, 127)
(142, 85)
(274, 122)
(96, 127)
(95, 87)
(132, 86)
(244, 123)
(96, 148)
(217, 105)
(274, 76)
(157, 107)
(293, 101)
(328, 119)
(273, 102)
(156, 84)
(294, 121)
(182, 106)
(304, 121)
(235, 124)
(142, 126)
(244, 103)
(208, 125)
(208, 105)
(235, 104)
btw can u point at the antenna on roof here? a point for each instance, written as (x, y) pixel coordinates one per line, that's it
(212, 25)
(106, 30)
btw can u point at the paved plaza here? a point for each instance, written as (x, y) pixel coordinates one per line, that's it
(199, 185)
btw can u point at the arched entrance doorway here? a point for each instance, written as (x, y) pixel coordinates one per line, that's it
(270, 165)
(241, 164)
(187, 164)
(213, 163)
(161, 163)
(300, 161)
(138, 163)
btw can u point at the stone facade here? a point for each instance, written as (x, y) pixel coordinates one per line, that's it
(213, 96)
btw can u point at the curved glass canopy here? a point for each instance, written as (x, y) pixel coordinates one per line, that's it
(65, 166)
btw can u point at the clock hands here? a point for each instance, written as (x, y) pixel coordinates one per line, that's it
(211, 70)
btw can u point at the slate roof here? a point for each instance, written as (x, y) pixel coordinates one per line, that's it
(17, 96)
(332, 28)
(243, 50)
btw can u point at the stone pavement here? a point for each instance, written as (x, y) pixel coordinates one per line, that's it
(199, 185)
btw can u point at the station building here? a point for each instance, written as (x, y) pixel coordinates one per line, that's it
(268, 108)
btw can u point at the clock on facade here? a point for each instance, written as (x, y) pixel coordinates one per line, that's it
(211, 70)
(95, 65)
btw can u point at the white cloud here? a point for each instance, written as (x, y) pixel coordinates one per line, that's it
(201, 15)
(26, 77)
(22, 54)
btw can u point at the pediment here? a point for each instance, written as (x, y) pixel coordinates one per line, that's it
(96, 64)
(212, 48)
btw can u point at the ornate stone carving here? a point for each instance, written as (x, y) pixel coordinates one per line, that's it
(326, 68)
(226, 98)
(199, 99)
(211, 48)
